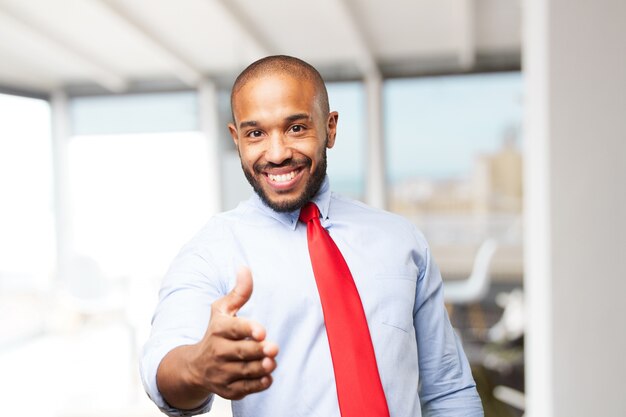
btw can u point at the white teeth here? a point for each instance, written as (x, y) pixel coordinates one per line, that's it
(282, 177)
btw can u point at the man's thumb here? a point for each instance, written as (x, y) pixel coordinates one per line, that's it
(240, 294)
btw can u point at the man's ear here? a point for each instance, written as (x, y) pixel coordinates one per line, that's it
(331, 128)
(233, 133)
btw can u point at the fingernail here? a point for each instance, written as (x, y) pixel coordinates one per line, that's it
(257, 332)
(266, 363)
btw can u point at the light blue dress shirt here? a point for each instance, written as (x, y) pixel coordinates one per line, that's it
(421, 363)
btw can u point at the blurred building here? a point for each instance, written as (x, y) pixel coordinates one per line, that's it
(458, 214)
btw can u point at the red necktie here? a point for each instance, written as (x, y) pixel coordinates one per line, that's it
(359, 389)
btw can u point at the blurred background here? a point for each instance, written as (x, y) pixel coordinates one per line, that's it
(496, 126)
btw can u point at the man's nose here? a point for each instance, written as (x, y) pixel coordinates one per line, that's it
(278, 150)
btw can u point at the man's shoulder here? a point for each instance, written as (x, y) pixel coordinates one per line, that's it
(364, 214)
(218, 226)
(351, 206)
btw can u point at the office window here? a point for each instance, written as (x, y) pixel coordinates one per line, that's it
(138, 172)
(454, 163)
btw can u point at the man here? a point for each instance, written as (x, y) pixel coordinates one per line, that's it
(213, 334)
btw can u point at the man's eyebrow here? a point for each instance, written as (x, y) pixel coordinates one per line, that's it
(248, 123)
(295, 117)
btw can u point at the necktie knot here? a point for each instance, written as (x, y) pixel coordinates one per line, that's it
(309, 212)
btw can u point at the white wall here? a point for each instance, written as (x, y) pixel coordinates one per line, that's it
(575, 69)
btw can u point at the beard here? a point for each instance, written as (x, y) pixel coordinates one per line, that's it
(312, 186)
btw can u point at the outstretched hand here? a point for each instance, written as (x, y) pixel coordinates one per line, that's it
(232, 360)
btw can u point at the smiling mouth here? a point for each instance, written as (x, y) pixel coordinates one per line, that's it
(282, 178)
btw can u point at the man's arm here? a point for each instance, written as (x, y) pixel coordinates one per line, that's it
(447, 388)
(232, 360)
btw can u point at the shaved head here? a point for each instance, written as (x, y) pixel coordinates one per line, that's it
(285, 65)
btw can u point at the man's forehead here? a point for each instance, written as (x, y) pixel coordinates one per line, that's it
(275, 87)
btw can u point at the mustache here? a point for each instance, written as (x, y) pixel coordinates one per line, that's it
(293, 163)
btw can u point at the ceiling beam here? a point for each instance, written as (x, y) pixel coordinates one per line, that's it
(183, 69)
(20, 80)
(98, 71)
(21, 70)
(23, 92)
(365, 56)
(247, 26)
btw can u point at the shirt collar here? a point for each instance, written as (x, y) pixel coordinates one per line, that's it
(290, 219)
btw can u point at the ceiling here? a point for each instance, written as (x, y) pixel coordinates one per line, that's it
(121, 45)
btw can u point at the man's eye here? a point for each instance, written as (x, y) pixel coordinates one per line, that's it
(255, 134)
(297, 128)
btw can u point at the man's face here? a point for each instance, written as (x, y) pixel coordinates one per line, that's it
(282, 136)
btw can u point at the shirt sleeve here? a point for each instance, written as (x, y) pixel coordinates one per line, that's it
(190, 286)
(446, 384)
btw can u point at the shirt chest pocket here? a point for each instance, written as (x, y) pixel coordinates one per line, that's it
(395, 299)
